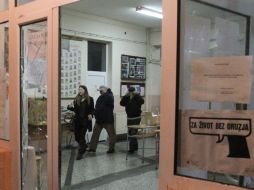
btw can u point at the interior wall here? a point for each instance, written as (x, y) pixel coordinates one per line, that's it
(154, 69)
(123, 38)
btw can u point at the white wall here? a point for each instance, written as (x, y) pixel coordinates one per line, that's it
(154, 61)
(123, 38)
(153, 70)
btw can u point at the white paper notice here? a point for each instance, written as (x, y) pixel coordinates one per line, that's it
(222, 79)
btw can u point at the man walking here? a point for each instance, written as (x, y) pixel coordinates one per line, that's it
(104, 119)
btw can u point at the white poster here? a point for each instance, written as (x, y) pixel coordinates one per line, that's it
(35, 75)
(222, 79)
(71, 67)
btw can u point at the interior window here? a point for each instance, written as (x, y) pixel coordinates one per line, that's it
(96, 56)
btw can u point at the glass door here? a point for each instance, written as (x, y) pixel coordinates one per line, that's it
(29, 31)
(34, 94)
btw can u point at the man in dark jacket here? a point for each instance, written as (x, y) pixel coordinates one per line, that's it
(104, 119)
(132, 102)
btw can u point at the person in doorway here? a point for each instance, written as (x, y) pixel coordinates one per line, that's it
(132, 102)
(83, 106)
(104, 119)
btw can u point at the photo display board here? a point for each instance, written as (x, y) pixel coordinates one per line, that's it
(133, 68)
(139, 88)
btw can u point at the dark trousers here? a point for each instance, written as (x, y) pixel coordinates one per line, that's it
(133, 142)
(96, 134)
(80, 130)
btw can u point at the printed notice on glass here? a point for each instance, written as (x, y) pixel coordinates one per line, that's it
(222, 79)
(218, 141)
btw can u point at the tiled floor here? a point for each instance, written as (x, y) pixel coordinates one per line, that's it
(101, 171)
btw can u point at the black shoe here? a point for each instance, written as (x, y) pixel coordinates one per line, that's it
(110, 151)
(79, 156)
(82, 151)
(92, 150)
(131, 151)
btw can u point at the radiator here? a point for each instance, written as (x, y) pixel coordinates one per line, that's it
(120, 122)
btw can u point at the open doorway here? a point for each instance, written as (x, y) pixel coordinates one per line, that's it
(108, 43)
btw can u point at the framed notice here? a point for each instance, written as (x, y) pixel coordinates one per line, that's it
(139, 88)
(133, 68)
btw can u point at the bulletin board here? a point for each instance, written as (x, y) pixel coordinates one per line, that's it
(71, 67)
(139, 88)
(133, 68)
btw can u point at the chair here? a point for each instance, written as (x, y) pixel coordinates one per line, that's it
(157, 146)
(146, 128)
(68, 127)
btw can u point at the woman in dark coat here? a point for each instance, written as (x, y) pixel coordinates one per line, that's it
(83, 108)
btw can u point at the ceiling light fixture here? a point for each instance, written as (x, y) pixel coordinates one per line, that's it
(149, 11)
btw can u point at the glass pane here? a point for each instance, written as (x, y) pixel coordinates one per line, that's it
(33, 68)
(3, 5)
(4, 80)
(20, 2)
(96, 56)
(212, 40)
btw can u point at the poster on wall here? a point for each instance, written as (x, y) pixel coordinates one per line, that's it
(70, 67)
(222, 79)
(139, 88)
(133, 68)
(35, 75)
(218, 141)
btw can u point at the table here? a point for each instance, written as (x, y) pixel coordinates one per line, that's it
(157, 146)
(144, 132)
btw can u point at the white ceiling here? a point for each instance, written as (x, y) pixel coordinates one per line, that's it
(121, 10)
(124, 10)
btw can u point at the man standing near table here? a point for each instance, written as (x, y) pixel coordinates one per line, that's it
(132, 102)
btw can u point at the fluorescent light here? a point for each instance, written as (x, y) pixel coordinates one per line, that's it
(149, 12)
